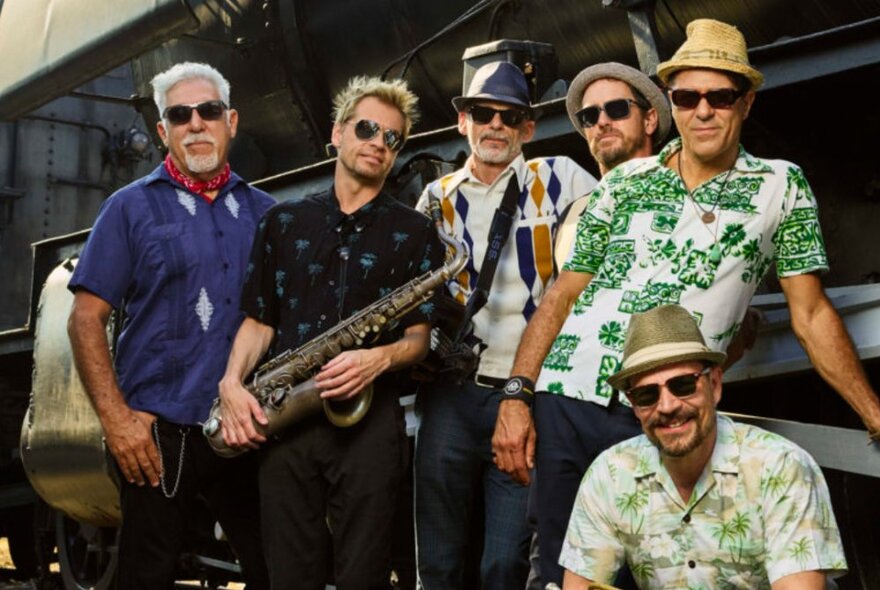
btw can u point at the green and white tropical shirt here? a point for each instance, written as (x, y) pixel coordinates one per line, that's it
(760, 511)
(645, 243)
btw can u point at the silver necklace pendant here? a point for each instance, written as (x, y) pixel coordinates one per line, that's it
(707, 217)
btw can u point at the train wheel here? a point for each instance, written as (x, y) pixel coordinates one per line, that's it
(86, 554)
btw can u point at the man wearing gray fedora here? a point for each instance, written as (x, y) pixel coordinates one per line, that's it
(622, 114)
(698, 501)
(698, 225)
(455, 478)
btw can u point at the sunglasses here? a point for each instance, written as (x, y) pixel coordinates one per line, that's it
(680, 386)
(484, 115)
(616, 110)
(366, 130)
(720, 98)
(180, 114)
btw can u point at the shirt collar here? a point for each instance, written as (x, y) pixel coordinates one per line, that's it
(464, 174)
(724, 459)
(363, 216)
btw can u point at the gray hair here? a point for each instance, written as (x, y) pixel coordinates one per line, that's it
(165, 81)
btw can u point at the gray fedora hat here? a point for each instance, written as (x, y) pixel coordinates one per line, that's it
(500, 81)
(633, 77)
(661, 336)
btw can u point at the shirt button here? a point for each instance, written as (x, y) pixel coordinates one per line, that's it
(323, 317)
(687, 518)
(228, 300)
(692, 564)
(331, 283)
(225, 266)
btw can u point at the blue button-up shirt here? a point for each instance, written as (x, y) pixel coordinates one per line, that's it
(175, 263)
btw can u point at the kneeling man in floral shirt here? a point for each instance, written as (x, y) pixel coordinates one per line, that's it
(698, 501)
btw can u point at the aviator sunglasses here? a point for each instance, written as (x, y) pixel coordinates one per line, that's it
(484, 115)
(680, 386)
(180, 114)
(720, 98)
(616, 110)
(366, 130)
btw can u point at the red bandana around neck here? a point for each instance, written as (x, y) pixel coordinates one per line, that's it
(197, 186)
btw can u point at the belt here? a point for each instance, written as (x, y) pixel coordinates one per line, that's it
(490, 382)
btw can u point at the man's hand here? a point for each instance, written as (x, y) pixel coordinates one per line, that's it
(513, 444)
(745, 337)
(350, 372)
(129, 438)
(238, 411)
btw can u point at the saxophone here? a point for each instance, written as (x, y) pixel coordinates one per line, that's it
(284, 385)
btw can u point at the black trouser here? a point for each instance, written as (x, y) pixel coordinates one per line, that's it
(332, 491)
(154, 528)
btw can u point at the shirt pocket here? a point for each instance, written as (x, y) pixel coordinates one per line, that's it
(169, 251)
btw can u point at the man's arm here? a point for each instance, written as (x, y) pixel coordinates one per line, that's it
(127, 432)
(800, 581)
(237, 405)
(350, 372)
(513, 443)
(823, 335)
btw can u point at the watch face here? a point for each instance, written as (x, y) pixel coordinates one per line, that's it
(513, 387)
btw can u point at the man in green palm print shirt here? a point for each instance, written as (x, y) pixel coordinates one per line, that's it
(698, 501)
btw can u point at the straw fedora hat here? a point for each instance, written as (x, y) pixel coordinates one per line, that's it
(715, 45)
(635, 78)
(662, 336)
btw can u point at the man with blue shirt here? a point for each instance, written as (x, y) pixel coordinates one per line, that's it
(169, 251)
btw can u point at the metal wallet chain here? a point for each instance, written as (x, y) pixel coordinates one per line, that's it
(183, 433)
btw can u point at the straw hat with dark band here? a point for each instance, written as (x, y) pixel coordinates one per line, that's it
(715, 45)
(662, 336)
(624, 73)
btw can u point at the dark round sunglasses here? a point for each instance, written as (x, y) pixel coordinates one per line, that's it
(720, 98)
(616, 110)
(484, 115)
(180, 114)
(680, 386)
(366, 130)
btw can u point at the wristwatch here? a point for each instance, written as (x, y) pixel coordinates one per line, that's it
(521, 388)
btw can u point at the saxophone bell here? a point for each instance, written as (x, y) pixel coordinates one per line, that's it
(349, 412)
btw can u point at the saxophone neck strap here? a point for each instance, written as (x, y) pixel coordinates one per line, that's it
(499, 232)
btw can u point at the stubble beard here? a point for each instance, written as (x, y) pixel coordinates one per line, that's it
(366, 174)
(680, 447)
(617, 154)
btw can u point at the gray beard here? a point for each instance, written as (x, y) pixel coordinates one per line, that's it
(199, 164)
(493, 156)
